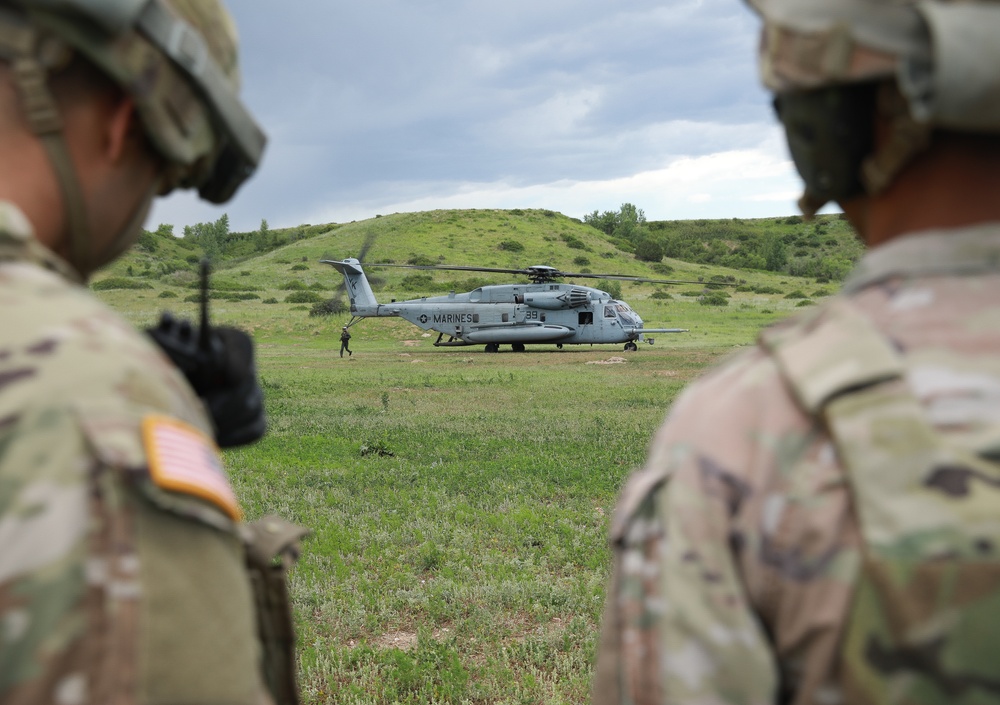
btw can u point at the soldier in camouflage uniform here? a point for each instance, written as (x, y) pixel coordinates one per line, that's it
(818, 520)
(123, 572)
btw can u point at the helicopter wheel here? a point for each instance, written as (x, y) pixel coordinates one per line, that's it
(558, 346)
(517, 347)
(630, 346)
(492, 347)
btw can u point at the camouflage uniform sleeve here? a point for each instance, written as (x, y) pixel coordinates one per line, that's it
(116, 589)
(729, 581)
(118, 583)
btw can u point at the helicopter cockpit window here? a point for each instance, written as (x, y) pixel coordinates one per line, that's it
(609, 312)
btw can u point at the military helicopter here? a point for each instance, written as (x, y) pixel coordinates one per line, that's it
(542, 311)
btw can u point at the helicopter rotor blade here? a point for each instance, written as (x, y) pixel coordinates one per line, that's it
(643, 280)
(457, 268)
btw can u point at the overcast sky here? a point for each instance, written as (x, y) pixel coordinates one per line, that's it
(382, 106)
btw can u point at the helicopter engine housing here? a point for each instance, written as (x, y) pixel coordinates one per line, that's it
(556, 300)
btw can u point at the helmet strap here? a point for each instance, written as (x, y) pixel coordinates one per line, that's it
(42, 115)
(907, 139)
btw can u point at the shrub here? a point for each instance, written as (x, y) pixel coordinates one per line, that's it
(511, 246)
(582, 261)
(661, 268)
(660, 295)
(167, 295)
(293, 285)
(119, 283)
(330, 307)
(270, 300)
(303, 297)
(299, 267)
(421, 261)
(804, 302)
(417, 282)
(649, 251)
(573, 242)
(715, 298)
(797, 294)
(762, 289)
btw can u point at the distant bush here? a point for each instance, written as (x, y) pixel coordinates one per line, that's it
(608, 255)
(691, 292)
(330, 307)
(418, 282)
(660, 295)
(715, 298)
(763, 289)
(119, 283)
(804, 302)
(573, 242)
(167, 295)
(744, 287)
(516, 211)
(797, 294)
(293, 285)
(511, 246)
(649, 251)
(661, 268)
(582, 261)
(820, 293)
(299, 267)
(270, 300)
(420, 261)
(245, 273)
(549, 214)
(303, 297)
(614, 288)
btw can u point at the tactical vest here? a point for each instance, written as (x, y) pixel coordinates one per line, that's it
(924, 625)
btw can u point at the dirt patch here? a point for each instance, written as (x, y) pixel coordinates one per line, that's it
(411, 343)
(667, 373)
(610, 361)
(404, 641)
(415, 362)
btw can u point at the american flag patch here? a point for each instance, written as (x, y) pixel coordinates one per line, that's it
(183, 459)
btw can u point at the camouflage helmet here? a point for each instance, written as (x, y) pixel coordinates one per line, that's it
(921, 64)
(178, 61)
(944, 55)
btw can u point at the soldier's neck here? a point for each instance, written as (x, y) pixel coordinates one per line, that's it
(953, 184)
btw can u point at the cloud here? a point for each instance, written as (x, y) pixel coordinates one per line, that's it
(389, 104)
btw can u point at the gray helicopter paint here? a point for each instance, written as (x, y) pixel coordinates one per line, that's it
(546, 312)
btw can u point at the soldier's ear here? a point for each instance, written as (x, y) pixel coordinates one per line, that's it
(122, 126)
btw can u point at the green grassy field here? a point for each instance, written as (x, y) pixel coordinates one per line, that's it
(459, 501)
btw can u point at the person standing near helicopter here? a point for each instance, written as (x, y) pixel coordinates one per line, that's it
(817, 519)
(345, 338)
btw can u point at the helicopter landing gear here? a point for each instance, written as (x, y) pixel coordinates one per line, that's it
(492, 347)
(630, 346)
(558, 346)
(517, 347)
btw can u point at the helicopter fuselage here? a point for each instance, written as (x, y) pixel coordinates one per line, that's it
(515, 314)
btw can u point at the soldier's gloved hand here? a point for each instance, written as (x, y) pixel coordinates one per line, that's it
(222, 372)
